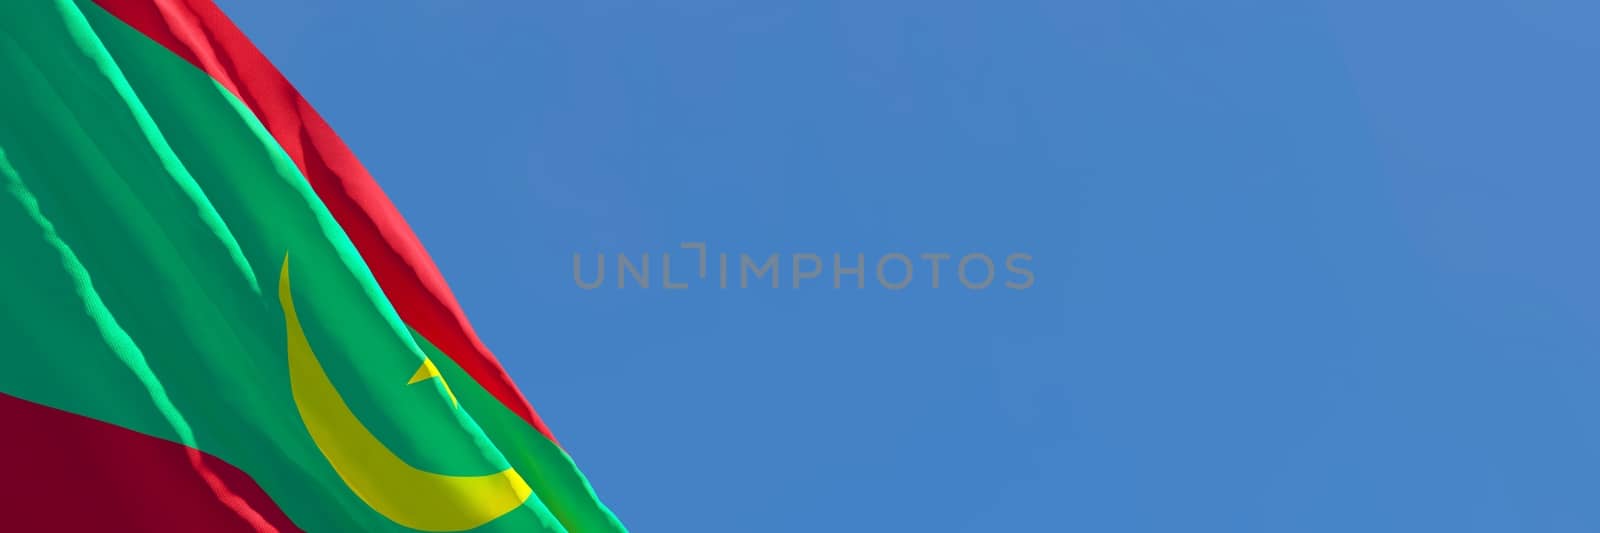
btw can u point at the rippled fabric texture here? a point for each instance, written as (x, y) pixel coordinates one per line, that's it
(215, 319)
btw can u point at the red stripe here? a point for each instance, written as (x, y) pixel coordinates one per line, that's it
(65, 472)
(199, 32)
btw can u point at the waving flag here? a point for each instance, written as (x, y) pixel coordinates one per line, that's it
(214, 318)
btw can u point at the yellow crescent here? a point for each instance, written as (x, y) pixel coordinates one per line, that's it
(411, 497)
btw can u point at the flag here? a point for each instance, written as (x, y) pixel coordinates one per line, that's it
(215, 320)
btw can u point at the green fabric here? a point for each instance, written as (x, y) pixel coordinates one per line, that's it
(144, 218)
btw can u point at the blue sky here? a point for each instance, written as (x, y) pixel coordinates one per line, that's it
(1300, 266)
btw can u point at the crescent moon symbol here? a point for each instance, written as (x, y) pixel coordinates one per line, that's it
(409, 496)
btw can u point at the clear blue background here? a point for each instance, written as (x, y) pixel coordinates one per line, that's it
(1301, 266)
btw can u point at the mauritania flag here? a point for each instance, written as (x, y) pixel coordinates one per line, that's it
(214, 319)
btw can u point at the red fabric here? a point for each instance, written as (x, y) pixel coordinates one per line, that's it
(65, 472)
(199, 32)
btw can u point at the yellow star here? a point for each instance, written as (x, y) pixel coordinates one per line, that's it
(428, 371)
